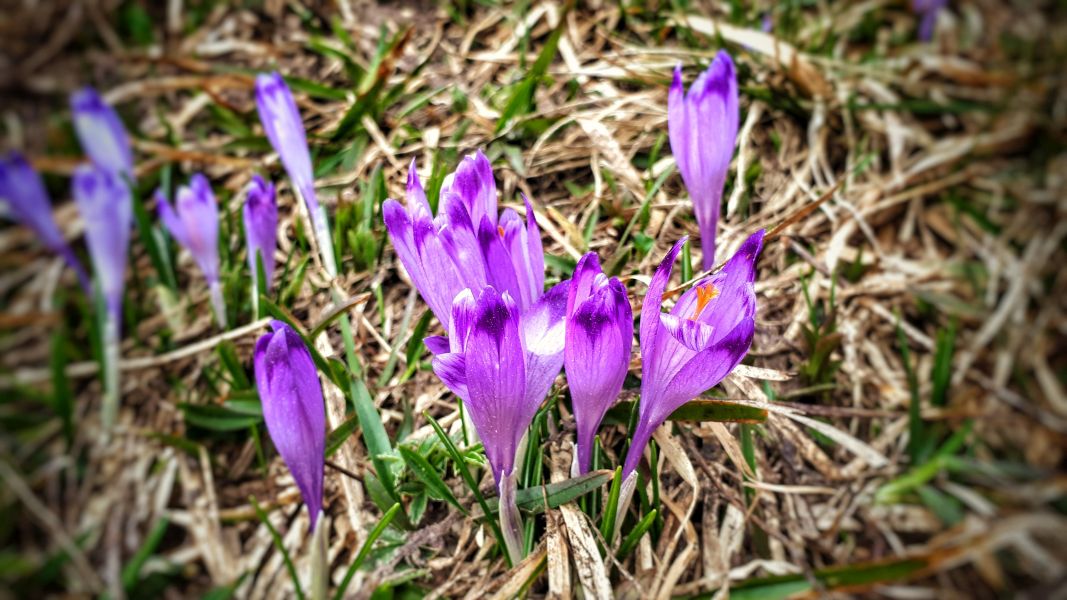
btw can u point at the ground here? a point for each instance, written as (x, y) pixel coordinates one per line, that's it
(897, 429)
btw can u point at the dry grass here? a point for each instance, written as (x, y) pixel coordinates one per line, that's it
(943, 166)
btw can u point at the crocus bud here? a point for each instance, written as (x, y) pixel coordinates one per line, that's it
(702, 125)
(103, 199)
(293, 409)
(600, 331)
(928, 11)
(689, 350)
(285, 130)
(23, 191)
(101, 133)
(261, 226)
(194, 223)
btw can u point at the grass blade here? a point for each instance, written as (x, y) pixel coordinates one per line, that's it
(280, 546)
(631, 539)
(387, 518)
(607, 523)
(428, 475)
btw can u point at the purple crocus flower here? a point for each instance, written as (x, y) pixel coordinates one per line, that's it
(193, 222)
(466, 245)
(501, 362)
(261, 227)
(928, 10)
(293, 409)
(600, 331)
(285, 130)
(702, 125)
(103, 199)
(101, 133)
(23, 191)
(692, 348)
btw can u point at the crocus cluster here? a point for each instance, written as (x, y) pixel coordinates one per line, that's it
(482, 276)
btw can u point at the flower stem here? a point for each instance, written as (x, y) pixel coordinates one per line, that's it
(319, 568)
(626, 493)
(111, 348)
(510, 519)
(218, 303)
(321, 223)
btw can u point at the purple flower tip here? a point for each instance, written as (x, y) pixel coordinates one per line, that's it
(293, 409)
(101, 132)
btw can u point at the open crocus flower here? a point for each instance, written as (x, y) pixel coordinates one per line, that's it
(260, 215)
(600, 331)
(194, 222)
(23, 191)
(466, 245)
(285, 130)
(293, 409)
(501, 362)
(928, 11)
(101, 133)
(690, 350)
(702, 125)
(103, 199)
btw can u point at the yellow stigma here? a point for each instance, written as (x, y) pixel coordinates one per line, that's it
(705, 293)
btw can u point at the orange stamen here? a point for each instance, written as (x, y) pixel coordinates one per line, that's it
(500, 229)
(705, 294)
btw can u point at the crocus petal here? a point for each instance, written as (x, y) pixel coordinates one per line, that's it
(461, 243)
(103, 199)
(293, 409)
(464, 312)
(702, 127)
(170, 219)
(440, 280)
(437, 344)
(23, 191)
(585, 276)
(285, 129)
(451, 369)
(544, 336)
(535, 251)
(260, 214)
(499, 269)
(416, 196)
(692, 334)
(474, 185)
(705, 370)
(496, 380)
(650, 310)
(101, 133)
(401, 233)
